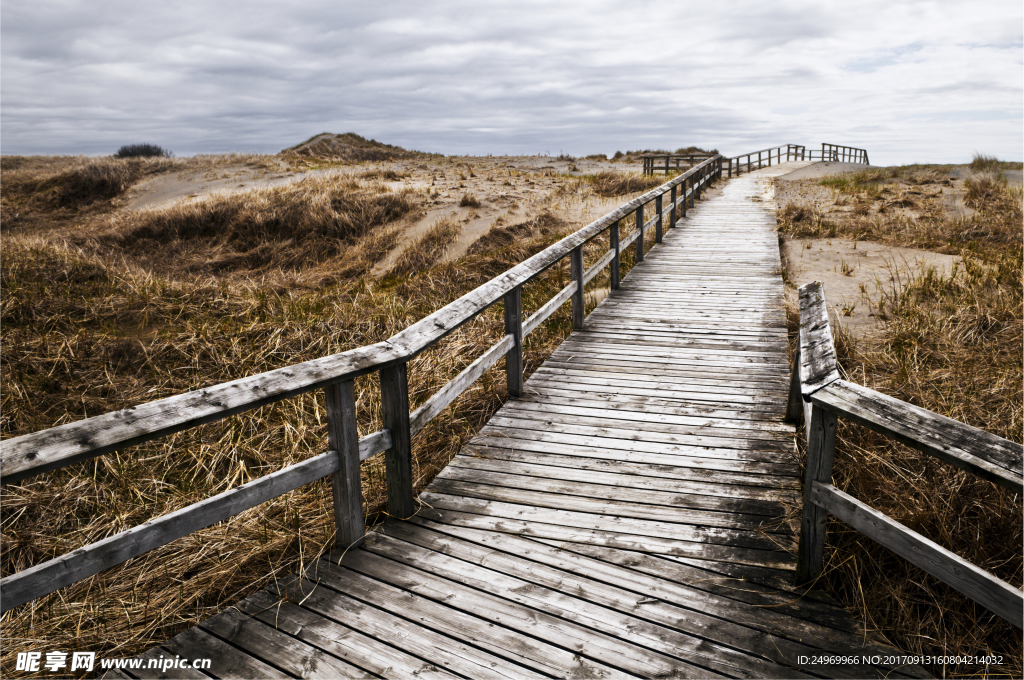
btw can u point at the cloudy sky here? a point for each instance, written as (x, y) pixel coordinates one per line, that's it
(911, 81)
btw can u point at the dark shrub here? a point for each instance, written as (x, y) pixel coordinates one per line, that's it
(141, 151)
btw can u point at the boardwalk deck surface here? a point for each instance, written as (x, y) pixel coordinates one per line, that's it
(631, 515)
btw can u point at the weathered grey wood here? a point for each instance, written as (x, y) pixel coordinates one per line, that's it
(549, 308)
(394, 390)
(273, 646)
(625, 242)
(375, 443)
(657, 227)
(353, 646)
(228, 661)
(821, 443)
(513, 307)
(613, 232)
(598, 266)
(469, 375)
(659, 626)
(674, 200)
(968, 448)
(346, 487)
(794, 406)
(641, 234)
(992, 593)
(818, 365)
(578, 299)
(62, 571)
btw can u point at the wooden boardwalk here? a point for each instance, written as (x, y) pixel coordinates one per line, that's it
(633, 514)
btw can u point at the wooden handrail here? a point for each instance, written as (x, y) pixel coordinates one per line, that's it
(824, 396)
(830, 152)
(28, 455)
(31, 454)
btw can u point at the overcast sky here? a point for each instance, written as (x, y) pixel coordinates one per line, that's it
(910, 81)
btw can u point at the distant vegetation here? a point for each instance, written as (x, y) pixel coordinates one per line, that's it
(348, 148)
(142, 151)
(634, 156)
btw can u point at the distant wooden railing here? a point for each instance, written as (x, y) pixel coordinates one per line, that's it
(654, 162)
(821, 396)
(793, 152)
(28, 455)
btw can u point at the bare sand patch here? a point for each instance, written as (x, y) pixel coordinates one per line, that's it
(855, 273)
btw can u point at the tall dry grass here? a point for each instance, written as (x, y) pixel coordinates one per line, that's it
(92, 324)
(951, 344)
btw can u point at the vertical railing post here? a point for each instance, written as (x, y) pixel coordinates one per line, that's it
(823, 151)
(613, 233)
(394, 393)
(346, 487)
(748, 162)
(514, 326)
(730, 168)
(821, 444)
(673, 197)
(641, 235)
(576, 270)
(667, 158)
(692, 192)
(657, 225)
(759, 160)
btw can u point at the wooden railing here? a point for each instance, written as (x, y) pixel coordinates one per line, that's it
(793, 152)
(29, 455)
(654, 162)
(821, 396)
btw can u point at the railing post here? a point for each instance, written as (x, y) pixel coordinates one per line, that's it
(576, 269)
(613, 232)
(667, 158)
(346, 487)
(692, 192)
(657, 225)
(795, 404)
(730, 168)
(394, 393)
(758, 160)
(640, 236)
(821, 444)
(673, 196)
(514, 326)
(748, 162)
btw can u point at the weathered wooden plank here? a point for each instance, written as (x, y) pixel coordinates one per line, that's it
(416, 596)
(375, 443)
(278, 648)
(684, 526)
(388, 631)
(340, 641)
(992, 593)
(450, 392)
(598, 266)
(629, 534)
(818, 366)
(229, 662)
(578, 298)
(654, 626)
(968, 448)
(62, 571)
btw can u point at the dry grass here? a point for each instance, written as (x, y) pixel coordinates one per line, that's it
(311, 223)
(952, 345)
(609, 184)
(468, 200)
(428, 249)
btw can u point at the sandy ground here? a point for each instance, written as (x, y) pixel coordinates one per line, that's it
(854, 274)
(509, 189)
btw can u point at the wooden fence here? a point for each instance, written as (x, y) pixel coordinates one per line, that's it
(793, 152)
(654, 162)
(821, 396)
(29, 455)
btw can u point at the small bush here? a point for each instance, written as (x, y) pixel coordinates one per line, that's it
(142, 151)
(469, 201)
(983, 163)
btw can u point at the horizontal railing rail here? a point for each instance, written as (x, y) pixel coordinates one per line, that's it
(654, 162)
(28, 455)
(819, 393)
(793, 152)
